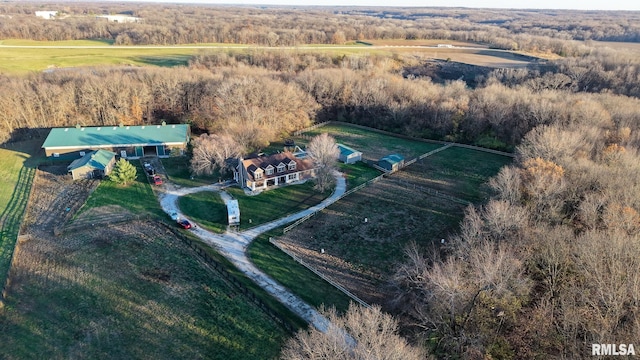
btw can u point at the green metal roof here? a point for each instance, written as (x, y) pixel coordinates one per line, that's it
(117, 136)
(98, 159)
(345, 150)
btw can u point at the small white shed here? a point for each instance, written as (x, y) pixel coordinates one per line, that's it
(233, 210)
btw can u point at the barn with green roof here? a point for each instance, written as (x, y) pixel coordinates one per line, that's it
(130, 142)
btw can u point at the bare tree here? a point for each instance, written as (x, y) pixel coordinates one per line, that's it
(213, 151)
(361, 334)
(324, 152)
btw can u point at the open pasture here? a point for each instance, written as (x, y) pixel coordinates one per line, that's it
(372, 144)
(456, 171)
(364, 234)
(127, 291)
(25, 60)
(361, 254)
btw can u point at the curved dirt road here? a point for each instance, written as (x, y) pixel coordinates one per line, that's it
(233, 245)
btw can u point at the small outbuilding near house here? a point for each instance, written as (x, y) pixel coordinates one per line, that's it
(349, 155)
(94, 164)
(391, 162)
(233, 210)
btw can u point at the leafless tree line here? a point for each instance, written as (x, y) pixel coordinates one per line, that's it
(550, 264)
(543, 31)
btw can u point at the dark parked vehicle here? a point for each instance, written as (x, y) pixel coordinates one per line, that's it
(184, 224)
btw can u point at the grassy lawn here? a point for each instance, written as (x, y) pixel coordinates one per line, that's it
(137, 197)
(294, 276)
(129, 292)
(274, 204)
(178, 170)
(372, 144)
(358, 173)
(252, 286)
(17, 168)
(459, 172)
(207, 209)
(26, 60)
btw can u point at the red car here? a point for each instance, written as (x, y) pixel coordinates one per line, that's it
(184, 224)
(157, 180)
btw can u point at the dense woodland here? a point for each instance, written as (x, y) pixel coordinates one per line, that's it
(548, 266)
(530, 30)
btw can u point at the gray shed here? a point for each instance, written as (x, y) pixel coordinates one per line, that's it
(349, 155)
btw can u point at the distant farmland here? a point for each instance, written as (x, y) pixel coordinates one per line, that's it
(20, 56)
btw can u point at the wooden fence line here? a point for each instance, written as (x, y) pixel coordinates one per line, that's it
(312, 127)
(330, 281)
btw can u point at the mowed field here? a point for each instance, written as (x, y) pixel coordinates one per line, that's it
(364, 235)
(127, 291)
(23, 56)
(17, 168)
(373, 145)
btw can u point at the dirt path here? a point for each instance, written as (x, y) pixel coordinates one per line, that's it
(234, 245)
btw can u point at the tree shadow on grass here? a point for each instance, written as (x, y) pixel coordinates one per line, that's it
(165, 61)
(11, 217)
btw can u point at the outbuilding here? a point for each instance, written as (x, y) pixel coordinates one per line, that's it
(131, 142)
(349, 155)
(233, 210)
(94, 164)
(391, 162)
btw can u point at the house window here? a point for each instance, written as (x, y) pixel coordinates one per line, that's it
(291, 177)
(281, 168)
(269, 171)
(292, 165)
(56, 155)
(257, 175)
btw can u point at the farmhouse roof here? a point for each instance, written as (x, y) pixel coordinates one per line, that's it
(286, 157)
(346, 151)
(117, 136)
(98, 159)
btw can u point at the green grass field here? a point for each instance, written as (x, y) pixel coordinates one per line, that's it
(179, 172)
(458, 172)
(52, 54)
(374, 145)
(25, 60)
(137, 197)
(131, 291)
(205, 208)
(273, 204)
(358, 173)
(17, 168)
(294, 276)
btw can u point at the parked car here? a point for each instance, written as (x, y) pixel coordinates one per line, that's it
(185, 224)
(174, 216)
(148, 168)
(157, 180)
